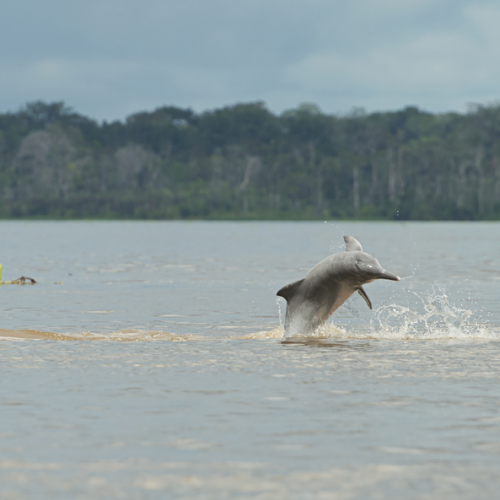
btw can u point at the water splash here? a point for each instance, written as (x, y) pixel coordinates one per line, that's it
(278, 303)
(437, 318)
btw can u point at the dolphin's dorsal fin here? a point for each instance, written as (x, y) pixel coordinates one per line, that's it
(352, 244)
(288, 291)
(367, 299)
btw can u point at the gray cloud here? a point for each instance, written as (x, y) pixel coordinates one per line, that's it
(109, 58)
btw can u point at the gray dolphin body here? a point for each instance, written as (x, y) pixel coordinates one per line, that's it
(312, 300)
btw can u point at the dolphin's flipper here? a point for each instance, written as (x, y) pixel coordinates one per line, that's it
(352, 245)
(288, 291)
(367, 299)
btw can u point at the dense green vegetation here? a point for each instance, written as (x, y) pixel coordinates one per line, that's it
(244, 162)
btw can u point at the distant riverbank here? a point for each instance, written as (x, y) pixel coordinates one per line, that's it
(243, 162)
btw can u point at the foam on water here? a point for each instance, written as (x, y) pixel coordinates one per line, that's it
(126, 335)
(275, 333)
(132, 335)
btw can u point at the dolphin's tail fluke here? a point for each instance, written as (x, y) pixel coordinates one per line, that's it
(288, 291)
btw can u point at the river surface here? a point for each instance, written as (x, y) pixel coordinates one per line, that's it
(149, 362)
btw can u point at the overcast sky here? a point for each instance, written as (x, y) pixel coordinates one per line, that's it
(110, 58)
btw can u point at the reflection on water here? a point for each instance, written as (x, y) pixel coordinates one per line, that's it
(325, 342)
(178, 381)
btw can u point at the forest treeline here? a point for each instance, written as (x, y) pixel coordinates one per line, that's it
(245, 162)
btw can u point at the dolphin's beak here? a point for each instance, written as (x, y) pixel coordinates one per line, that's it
(386, 275)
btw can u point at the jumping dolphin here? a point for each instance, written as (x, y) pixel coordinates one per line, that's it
(312, 300)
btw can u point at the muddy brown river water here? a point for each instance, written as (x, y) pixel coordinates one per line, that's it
(149, 362)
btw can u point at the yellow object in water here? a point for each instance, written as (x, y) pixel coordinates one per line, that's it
(1, 267)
